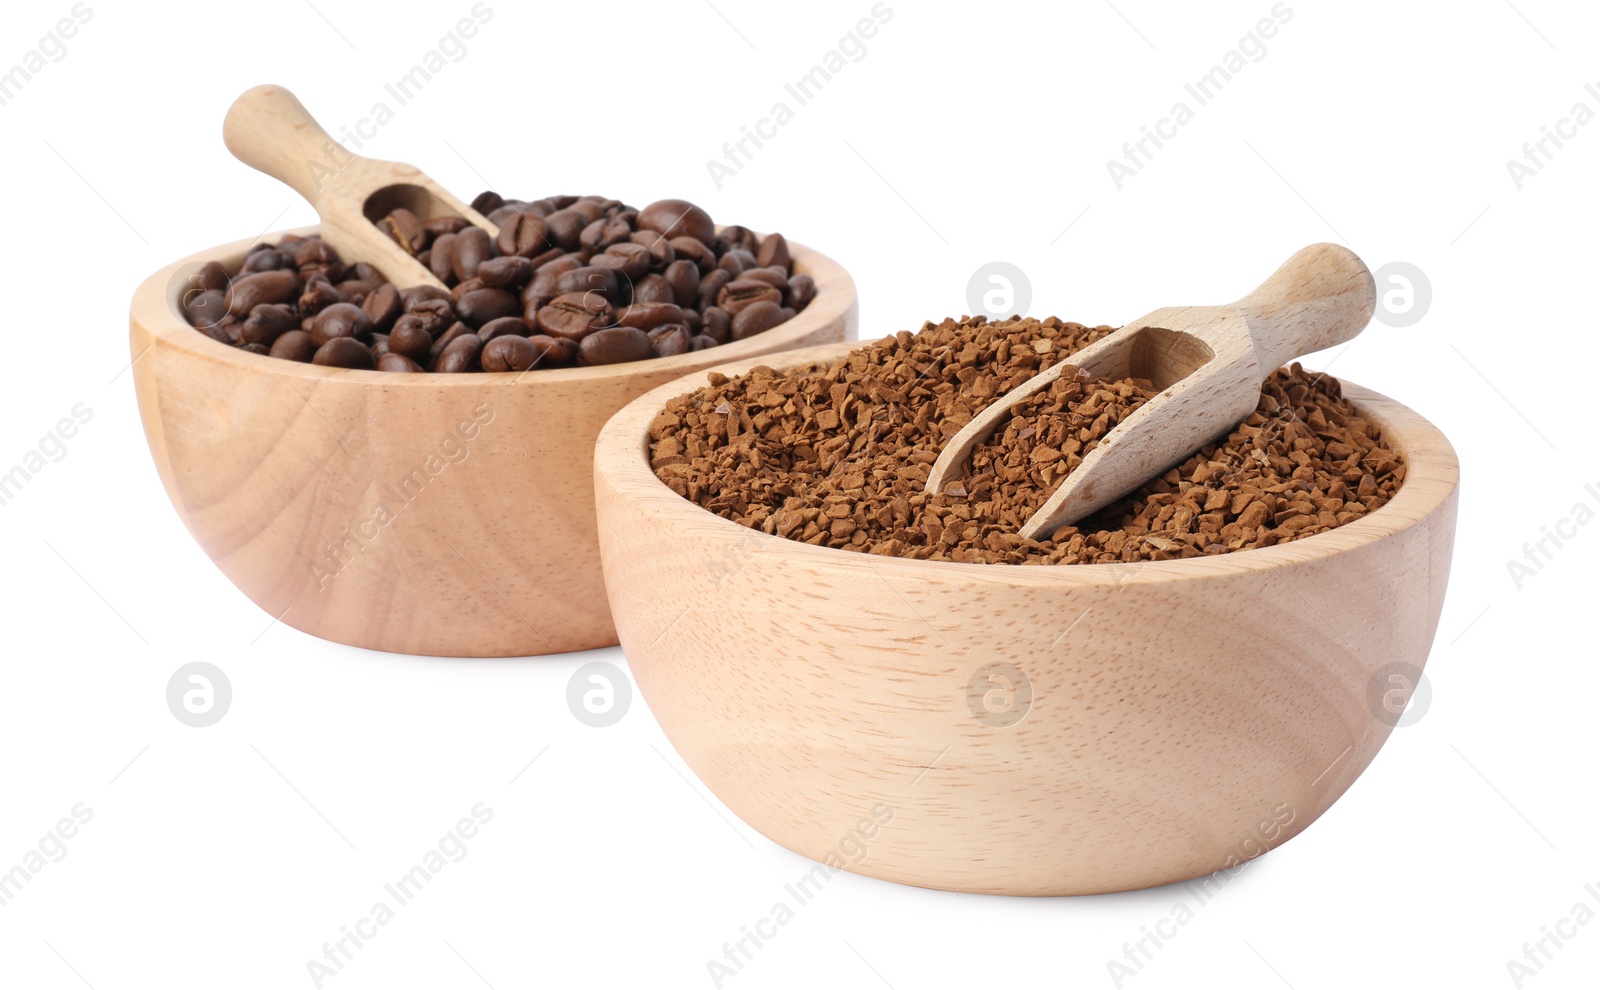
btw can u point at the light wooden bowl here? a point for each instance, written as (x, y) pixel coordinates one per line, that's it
(491, 552)
(1184, 715)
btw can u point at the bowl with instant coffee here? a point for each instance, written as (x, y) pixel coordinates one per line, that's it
(409, 468)
(1161, 692)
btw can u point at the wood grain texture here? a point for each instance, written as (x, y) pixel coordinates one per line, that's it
(269, 129)
(1208, 363)
(1176, 705)
(487, 552)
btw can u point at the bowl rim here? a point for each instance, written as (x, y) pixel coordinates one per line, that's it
(1432, 478)
(154, 309)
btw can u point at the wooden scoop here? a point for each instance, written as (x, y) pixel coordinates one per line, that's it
(268, 129)
(1208, 361)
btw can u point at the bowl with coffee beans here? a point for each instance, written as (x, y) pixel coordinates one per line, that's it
(1157, 692)
(397, 454)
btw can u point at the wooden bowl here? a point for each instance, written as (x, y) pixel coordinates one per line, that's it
(1157, 722)
(436, 514)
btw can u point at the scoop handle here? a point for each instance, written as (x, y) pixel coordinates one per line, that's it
(1322, 296)
(269, 130)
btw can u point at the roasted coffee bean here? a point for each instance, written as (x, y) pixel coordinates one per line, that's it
(487, 202)
(701, 342)
(318, 295)
(267, 323)
(406, 230)
(504, 325)
(415, 295)
(444, 339)
(687, 247)
(677, 218)
(599, 281)
(262, 261)
(774, 250)
(653, 289)
(442, 258)
(253, 348)
(743, 239)
(631, 261)
(779, 281)
(460, 355)
(470, 249)
(738, 294)
(659, 246)
(560, 268)
(205, 309)
(614, 345)
(410, 338)
(757, 317)
(565, 227)
(482, 305)
(670, 339)
(645, 316)
(462, 288)
(716, 324)
(575, 315)
(522, 235)
(397, 362)
(449, 224)
(711, 285)
(509, 353)
(340, 320)
(436, 314)
(212, 277)
(684, 278)
(802, 289)
(554, 351)
(546, 276)
(382, 307)
(344, 352)
(275, 286)
(505, 273)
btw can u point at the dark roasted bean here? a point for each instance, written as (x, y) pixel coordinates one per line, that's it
(600, 281)
(774, 250)
(575, 315)
(275, 286)
(645, 316)
(479, 306)
(738, 294)
(615, 345)
(441, 258)
(267, 323)
(554, 351)
(460, 355)
(406, 230)
(502, 326)
(684, 278)
(509, 353)
(522, 235)
(397, 362)
(677, 218)
(382, 307)
(505, 273)
(653, 289)
(757, 317)
(411, 338)
(670, 339)
(345, 352)
(802, 289)
(716, 324)
(340, 320)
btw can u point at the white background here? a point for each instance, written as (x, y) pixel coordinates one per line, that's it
(227, 856)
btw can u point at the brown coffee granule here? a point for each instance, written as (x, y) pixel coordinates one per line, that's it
(1046, 436)
(837, 456)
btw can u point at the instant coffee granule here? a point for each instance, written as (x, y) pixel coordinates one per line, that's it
(837, 456)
